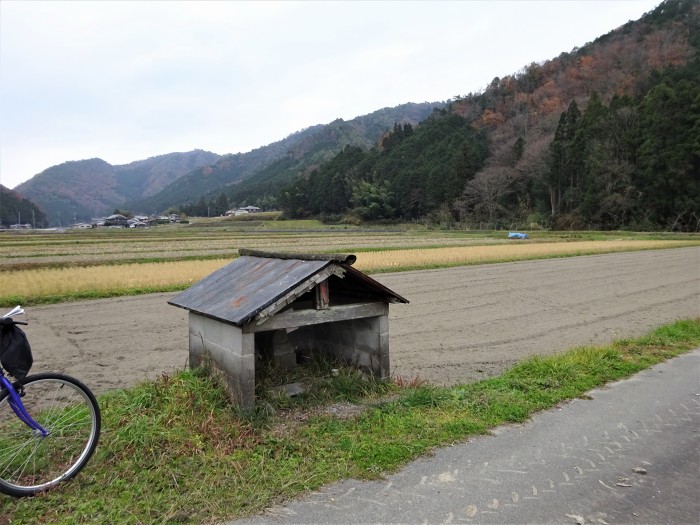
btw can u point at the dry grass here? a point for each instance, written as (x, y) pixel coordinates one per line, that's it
(440, 257)
(18, 254)
(58, 281)
(37, 283)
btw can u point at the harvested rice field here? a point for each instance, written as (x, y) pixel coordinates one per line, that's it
(478, 300)
(54, 266)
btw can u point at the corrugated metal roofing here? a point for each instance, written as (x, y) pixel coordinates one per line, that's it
(240, 290)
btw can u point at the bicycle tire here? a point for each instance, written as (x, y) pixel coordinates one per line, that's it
(67, 409)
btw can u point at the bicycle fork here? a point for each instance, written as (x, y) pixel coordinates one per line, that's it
(17, 406)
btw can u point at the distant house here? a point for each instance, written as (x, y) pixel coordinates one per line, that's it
(116, 220)
(243, 211)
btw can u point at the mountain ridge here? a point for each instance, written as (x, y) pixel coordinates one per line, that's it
(299, 150)
(80, 190)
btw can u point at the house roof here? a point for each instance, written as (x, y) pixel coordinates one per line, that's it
(257, 281)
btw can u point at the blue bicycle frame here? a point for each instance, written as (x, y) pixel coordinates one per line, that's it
(17, 406)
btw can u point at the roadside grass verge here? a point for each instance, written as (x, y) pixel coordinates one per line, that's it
(174, 451)
(52, 285)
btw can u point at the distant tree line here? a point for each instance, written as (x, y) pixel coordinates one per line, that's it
(411, 173)
(218, 206)
(203, 208)
(15, 209)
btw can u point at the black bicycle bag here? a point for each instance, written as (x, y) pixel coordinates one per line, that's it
(15, 352)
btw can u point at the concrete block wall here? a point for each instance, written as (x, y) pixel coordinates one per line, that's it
(363, 343)
(226, 350)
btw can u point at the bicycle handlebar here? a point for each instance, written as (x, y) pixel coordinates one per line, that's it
(9, 321)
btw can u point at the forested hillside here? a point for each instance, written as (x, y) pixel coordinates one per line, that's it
(15, 209)
(606, 136)
(79, 190)
(410, 174)
(256, 176)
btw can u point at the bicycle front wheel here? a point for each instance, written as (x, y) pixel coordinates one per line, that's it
(31, 462)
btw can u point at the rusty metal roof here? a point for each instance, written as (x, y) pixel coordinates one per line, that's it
(242, 289)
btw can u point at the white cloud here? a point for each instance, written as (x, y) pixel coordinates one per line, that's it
(128, 80)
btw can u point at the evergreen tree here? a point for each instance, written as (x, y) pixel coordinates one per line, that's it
(518, 150)
(200, 209)
(564, 159)
(220, 206)
(294, 199)
(669, 179)
(372, 201)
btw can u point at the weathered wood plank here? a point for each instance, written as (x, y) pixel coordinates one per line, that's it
(298, 291)
(294, 319)
(321, 297)
(347, 258)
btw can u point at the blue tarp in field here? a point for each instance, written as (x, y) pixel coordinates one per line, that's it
(517, 235)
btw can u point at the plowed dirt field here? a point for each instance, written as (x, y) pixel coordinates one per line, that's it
(461, 324)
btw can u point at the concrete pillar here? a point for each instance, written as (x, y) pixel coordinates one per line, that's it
(225, 350)
(384, 363)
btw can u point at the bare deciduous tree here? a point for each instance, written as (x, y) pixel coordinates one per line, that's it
(483, 195)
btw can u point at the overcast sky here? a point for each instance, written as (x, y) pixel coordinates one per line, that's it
(128, 80)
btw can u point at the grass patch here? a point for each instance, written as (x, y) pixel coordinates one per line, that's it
(174, 451)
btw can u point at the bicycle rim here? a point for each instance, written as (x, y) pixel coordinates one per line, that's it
(30, 462)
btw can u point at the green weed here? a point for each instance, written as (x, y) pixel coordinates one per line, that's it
(176, 451)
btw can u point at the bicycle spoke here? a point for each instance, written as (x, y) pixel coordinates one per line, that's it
(65, 409)
(34, 444)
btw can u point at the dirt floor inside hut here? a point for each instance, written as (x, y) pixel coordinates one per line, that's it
(461, 324)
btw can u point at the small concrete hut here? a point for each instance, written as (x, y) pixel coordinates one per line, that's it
(279, 306)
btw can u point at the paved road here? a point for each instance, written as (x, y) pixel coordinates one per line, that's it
(572, 464)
